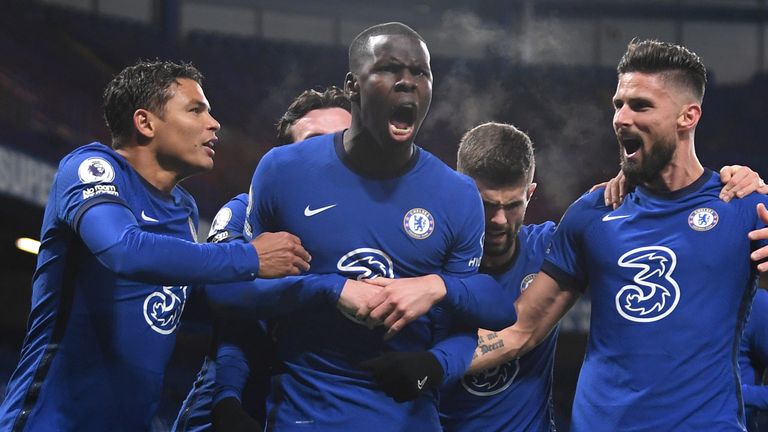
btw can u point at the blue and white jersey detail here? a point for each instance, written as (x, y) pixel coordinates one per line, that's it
(428, 219)
(670, 283)
(97, 344)
(514, 396)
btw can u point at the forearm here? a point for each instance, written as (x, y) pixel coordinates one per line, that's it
(110, 232)
(454, 353)
(232, 372)
(493, 348)
(161, 259)
(268, 298)
(537, 317)
(539, 309)
(479, 301)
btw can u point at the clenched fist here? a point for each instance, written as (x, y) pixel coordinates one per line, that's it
(280, 254)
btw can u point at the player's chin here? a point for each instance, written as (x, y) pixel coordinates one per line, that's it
(202, 165)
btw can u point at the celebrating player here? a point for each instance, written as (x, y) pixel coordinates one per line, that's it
(368, 203)
(118, 254)
(510, 395)
(667, 270)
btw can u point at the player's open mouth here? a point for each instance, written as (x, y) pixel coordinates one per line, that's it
(631, 143)
(401, 122)
(495, 237)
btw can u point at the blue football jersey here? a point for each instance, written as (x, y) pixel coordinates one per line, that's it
(97, 344)
(753, 360)
(426, 219)
(670, 281)
(517, 395)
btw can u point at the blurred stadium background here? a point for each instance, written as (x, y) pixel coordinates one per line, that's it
(546, 66)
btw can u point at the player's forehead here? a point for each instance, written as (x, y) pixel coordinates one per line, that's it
(320, 122)
(502, 194)
(402, 48)
(641, 85)
(186, 91)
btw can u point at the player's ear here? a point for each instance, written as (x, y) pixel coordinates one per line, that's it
(352, 87)
(531, 190)
(143, 122)
(689, 117)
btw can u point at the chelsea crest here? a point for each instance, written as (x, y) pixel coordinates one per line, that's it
(419, 223)
(703, 219)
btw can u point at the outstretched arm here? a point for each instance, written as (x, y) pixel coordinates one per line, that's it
(539, 309)
(111, 232)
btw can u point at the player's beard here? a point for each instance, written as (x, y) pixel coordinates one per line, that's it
(648, 170)
(495, 250)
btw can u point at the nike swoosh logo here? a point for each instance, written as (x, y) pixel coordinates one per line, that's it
(421, 382)
(147, 218)
(607, 218)
(311, 212)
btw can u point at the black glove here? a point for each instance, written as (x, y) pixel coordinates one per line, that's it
(229, 416)
(405, 375)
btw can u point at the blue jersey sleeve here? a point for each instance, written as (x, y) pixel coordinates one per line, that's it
(564, 259)
(268, 298)
(468, 227)
(89, 184)
(231, 362)
(480, 301)
(454, 345)
(85, 179)
(261, 202)
(111, 233)
(264, 297)
(229, 222)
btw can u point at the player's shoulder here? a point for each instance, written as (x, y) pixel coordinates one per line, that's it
(585, 211)
(535, 238)
(239, 201)
(750, 201)
(432, 168)
(590, 202)
(94, 162)
(304, 152)
(236, 205)
(539, 233)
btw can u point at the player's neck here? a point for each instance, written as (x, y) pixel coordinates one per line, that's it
(682, 170)
(371, 157)
(149, 168)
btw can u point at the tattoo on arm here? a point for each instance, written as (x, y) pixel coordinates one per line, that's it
(494, 343)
